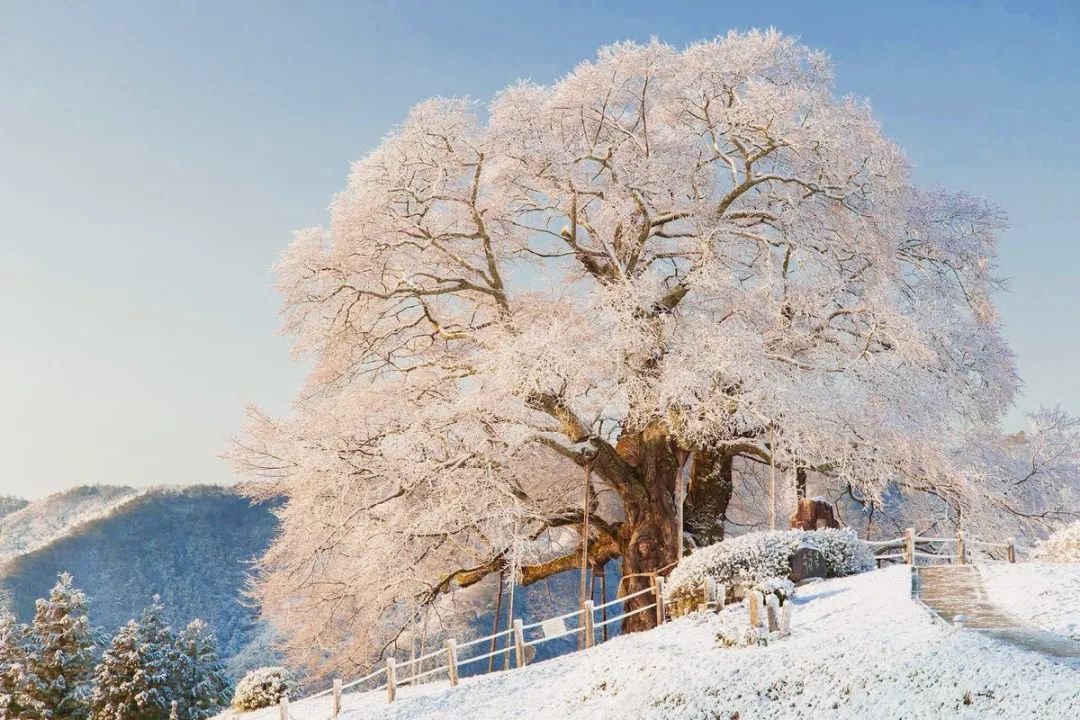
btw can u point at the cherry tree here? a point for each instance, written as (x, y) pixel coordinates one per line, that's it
(670, 264)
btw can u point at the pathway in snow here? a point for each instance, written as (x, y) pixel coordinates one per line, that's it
(951, 590)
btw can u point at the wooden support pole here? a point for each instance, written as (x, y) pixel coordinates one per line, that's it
(587, 625)
(961, 549)
(337, 697)
(603, 599)
(412, 661)
(451, 661)
(1011, 550)
(495, 620)
(283, 707)
(661, 611)
(909, 546)
(391, 680)
(519, 642)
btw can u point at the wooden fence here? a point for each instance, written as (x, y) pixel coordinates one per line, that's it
(914, 547)
(452, 656)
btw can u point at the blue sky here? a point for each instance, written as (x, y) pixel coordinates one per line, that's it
(155, 157)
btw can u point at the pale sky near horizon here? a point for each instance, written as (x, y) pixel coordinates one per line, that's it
(154, 158)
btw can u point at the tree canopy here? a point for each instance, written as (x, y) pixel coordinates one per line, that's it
(668, 260)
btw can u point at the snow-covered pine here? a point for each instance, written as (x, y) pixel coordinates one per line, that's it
(263, 687)
(699, 250)
(201, 687)
(17, 701)
(60, 651)
(135, 678)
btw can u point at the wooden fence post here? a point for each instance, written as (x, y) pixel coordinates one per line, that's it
(960, 547)
(755, 608)
(785, 617)
(519, 642)
(283, 707)
(721, 596)
(1012, 550)
(589, 619)
(772, 612)
(337, 697)
(909, 545)
(451, 660)
(661, 611)
(391, 680)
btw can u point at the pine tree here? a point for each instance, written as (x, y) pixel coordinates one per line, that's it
(60, 652)
(201, 685)
(135, 676)
(16, 700)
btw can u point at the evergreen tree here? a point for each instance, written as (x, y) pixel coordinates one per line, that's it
(200, 686)
(16, 700)
(60, 652)
(136, 674)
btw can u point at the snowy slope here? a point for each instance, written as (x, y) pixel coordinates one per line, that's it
(860, 648)
(1046, 595)
(41, 522)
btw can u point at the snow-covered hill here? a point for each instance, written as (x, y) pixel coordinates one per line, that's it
(123, 545)
(38, 523)
(860, 648)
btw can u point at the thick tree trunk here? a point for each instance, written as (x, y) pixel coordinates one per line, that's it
(800, 483)
(711, 488)
(649, 535)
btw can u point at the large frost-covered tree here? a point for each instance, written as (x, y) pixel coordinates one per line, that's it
(60, 653)
(668, 259)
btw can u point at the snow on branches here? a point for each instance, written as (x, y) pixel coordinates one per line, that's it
(697, 253)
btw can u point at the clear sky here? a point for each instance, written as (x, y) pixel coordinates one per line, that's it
(154, 158)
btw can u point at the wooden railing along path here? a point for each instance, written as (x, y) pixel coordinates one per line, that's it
(914, 547)
(453, 656)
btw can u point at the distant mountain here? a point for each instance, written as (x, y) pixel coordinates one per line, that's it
(34, 525)
(192, 546)
(10, 503)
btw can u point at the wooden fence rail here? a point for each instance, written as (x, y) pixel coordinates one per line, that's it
(391, 675)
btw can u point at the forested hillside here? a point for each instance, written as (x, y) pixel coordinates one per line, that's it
(191, 546)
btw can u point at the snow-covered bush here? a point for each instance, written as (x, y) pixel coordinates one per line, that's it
(760, 556)
(262, 688)
(1061, 547)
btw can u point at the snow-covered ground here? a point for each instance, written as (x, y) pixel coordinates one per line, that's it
(1046, 595)
(860, 648)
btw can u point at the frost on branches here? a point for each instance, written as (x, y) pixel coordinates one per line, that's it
(60, 650)
(1061, 547)
(667, 255)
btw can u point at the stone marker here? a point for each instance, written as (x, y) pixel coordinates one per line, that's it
(807, 562)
